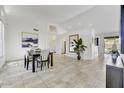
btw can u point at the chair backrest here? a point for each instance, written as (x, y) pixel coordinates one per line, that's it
(30, 53)
(34, 51)
(45, 54)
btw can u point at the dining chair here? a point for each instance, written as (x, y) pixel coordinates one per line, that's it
(25, 60)
(44, 58)
(29, 58)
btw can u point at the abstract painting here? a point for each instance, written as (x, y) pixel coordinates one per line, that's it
(29, 40)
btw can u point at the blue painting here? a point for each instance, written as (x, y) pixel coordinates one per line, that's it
(29, 40)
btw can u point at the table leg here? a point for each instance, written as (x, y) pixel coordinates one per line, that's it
(51, 59)
(33, 64)
(25, 61)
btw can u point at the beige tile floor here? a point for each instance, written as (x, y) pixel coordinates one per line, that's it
(66, 73)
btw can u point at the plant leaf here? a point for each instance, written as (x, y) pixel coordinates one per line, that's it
(75, 41)
(80, 41)
(79, 47)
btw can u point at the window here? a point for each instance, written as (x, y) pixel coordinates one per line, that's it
(109, 41)
(1, 38)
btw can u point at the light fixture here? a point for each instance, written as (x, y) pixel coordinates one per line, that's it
(35, 29)
(52, 28)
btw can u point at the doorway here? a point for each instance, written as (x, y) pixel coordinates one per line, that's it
(64, 47)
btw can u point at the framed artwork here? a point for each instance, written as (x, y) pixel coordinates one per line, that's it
(71, 42)
(29, 40)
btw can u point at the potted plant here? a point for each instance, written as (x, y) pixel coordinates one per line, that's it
(114, 54)
(79, 47)
(114, 51)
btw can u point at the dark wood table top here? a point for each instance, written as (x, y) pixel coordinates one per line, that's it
(39, 53)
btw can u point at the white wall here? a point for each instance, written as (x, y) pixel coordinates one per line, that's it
(101, 48)
(87, 35)
(19, 24)
(59, 42)
(100, 18)
(3, 18)
(104, 19)
(94, 47)
(16, 26)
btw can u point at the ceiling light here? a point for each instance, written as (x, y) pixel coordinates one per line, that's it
(35, 29)
(52, 28)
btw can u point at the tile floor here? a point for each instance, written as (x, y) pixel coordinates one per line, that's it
(66, 73)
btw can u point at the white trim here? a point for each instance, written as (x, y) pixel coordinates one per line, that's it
(2, 38)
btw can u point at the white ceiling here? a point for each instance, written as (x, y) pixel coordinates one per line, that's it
(52, 13)
(102, 19)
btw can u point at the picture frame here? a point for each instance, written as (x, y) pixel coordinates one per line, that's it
(29, 40)
(71, 42)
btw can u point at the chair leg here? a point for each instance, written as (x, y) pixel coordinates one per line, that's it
(41, 65)
(48, 63)
(27, 62)
(37, 64)
(45, 63)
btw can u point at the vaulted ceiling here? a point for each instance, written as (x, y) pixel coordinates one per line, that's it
(103, 19)
(71, 17)
(52, 13)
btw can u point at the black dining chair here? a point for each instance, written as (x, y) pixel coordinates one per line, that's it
(25, 60)
(44, 58)
(30, 58)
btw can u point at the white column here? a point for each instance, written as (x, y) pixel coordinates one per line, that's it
(101, 47)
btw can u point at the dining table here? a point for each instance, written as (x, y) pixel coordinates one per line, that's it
(35, 56)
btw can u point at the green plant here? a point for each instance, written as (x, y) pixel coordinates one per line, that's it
(79, 47)
(114, 51)
(114, 47)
